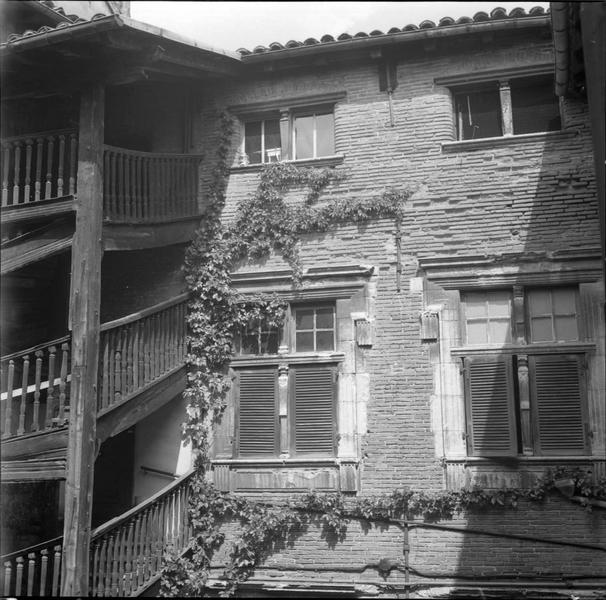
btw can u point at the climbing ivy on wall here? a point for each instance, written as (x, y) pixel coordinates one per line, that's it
(264, 223)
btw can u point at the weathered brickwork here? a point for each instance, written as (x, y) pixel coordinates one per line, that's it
(528, 198)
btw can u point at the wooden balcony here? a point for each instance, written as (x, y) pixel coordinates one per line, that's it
(125, 553)
(144, 188)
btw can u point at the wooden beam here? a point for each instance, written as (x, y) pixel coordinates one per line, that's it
(85, 302)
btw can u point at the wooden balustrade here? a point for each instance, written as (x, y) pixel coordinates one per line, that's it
(34, 571)
(35, 388)
(126, 552)
(140, 348)
(143, 187)
(38, 166)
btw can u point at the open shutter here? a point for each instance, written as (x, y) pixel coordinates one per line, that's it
(257, 414)
(314, 403)
(557, 399)
(489, 396)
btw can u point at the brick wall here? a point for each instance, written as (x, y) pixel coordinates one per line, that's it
(527, 197)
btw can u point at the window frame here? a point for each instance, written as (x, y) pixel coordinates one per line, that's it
(524, 353)
(459, 85)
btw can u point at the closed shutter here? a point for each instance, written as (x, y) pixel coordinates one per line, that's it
(557, 399)
(489, 396)
(314, 404)
(257, 414)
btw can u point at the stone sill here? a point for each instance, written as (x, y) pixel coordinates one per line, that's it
(282, 462)
(506, 140)
(507, 461)
(326, 161)
(299, 358)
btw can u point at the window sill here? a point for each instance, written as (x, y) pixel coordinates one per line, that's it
(326, 161)
(299, 358)
(520, 460)
(279, 462)
(563, 348)
(463, 145)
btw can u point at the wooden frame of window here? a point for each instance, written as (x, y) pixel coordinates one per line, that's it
(466, 319)
(314, 330)
(552, 315)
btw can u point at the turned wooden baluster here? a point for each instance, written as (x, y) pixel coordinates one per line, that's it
(31, 572)
(56, 570)
(6, 155)
(63, 381)
(128, 200)
(19, 576)
(50, 395)
(48, 190)
(8, 573)
(8, 415)
(43, 571)
(39, 156)
(128, 558)
(117, 388)
(106, 185)
(28, 169)
(73, 162)
(17, 172)
(60, 171)
(38, 377)
(102, 570)
(23, 403)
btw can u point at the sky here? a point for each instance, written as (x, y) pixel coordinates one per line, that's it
(233, 25)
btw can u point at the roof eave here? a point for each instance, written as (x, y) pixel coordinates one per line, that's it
(390, 39)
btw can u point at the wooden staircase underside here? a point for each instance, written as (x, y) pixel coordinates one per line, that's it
(43, 455)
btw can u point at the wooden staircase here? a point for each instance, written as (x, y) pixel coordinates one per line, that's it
(125, 553)
(141, 366)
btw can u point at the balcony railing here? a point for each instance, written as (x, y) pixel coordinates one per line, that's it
(141, 187)
(34, 571)
(34, 388)
(38, 166)
(126, 552)
(138, 349)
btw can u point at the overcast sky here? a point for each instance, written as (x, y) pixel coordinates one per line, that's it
(233, 25)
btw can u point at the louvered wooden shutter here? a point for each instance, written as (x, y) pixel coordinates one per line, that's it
(489, 396)
(314, 410)
(557, 398)
(257, 414)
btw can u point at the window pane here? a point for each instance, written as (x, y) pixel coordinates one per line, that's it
(479, 114)
(305, 342)
(539, 302)
(304, 318)
(535, 106)
(272, 140)
(325, 340)
(475, 305)
(500, 332)
(269, 342)
(325, 318)
(541, 330)
(499, 304)
(252, 141)
(250, 344)
(304, 131)
(566, 328)
(325, 135)
(477, 332)
(564, 301)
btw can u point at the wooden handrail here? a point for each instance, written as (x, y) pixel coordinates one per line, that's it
(146, 312)
(37, 134)
(120, 519)
(32, 350)
(151, 154)
(23, 551)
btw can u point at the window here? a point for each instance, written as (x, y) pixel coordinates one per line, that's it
(513, 106)
(287, 402)
(294, 134)
(526, 398)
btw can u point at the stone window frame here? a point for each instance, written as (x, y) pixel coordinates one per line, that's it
(500, 78)
(286, 111)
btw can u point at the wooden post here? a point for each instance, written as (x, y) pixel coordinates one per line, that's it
(85, 303)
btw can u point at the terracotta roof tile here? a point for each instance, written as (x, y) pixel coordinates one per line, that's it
(496, 14)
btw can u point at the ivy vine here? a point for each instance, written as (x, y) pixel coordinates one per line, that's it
(263, 223)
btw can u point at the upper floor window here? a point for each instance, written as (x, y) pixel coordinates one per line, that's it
(506, 107)
(296, 134)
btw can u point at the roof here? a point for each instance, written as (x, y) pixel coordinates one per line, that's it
(497, 14)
